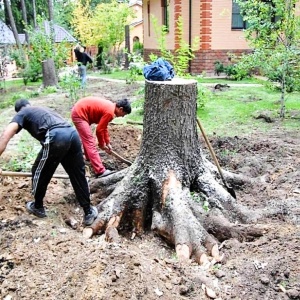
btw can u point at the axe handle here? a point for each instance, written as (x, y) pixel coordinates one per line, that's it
(27, 174)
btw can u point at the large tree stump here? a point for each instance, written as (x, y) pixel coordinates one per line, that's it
(49, 73)
(165, 188)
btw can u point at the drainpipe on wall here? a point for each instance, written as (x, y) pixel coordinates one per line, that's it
(190, 32)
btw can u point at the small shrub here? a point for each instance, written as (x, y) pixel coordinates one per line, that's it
(135, 66)
(32, 72)
(219, 67)
(71, 84)
(138, 48)
(18, 56)
(34, 94)
(106, 63)
(50, 90)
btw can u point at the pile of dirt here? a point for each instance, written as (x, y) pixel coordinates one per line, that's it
(49, 259)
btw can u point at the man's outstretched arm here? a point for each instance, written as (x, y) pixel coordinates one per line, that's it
(8, 133)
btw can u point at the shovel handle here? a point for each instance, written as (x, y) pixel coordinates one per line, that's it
(212, 152)
(27, 174)
(121, 158)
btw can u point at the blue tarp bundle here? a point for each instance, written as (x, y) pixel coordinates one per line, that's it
(159, 70)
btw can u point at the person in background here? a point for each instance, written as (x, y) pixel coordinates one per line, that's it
(60, 144)
(100, 111)
(83, 59)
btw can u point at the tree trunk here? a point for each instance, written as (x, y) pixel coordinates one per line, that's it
(49, 74)
(24, 14)
(51, 23)
(50, 10)
(165, 189)
(12, 23)
(34, 14)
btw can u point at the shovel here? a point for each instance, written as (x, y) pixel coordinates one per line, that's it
(24, 174)
(229, 189)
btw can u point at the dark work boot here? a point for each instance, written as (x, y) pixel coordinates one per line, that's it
(39, 212)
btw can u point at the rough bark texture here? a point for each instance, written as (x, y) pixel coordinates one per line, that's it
(165, 188)
(49, 74)
(50, 10)
(34, 14)
(12, 23)
(24, 15)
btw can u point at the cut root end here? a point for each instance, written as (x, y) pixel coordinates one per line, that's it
(183, 253)
(87, 232)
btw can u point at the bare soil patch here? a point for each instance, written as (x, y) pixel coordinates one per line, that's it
(48, 259)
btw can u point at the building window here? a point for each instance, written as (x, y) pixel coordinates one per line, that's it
(237, 18)
(237, 21)
(165, 13)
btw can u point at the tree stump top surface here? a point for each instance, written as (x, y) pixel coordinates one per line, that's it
(174, 81)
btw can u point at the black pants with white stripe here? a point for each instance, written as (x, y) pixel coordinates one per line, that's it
(62, 145)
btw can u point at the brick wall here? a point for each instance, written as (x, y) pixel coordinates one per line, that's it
(205, 24)
(204, 60)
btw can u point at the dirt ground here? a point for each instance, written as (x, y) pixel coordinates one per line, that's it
(48, 259)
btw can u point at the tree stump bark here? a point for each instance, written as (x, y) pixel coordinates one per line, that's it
(49, 73)
(165, 188)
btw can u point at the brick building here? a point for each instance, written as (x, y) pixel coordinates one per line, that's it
(217, 23)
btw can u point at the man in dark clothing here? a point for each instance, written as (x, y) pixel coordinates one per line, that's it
(60, 144)
(83, 59)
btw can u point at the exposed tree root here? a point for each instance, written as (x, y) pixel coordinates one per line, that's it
(222, 229)
(166, 187)
(107, 182)
(175, 215)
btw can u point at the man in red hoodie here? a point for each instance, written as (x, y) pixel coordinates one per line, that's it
(100, 111)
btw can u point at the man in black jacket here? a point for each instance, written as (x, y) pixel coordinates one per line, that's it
(83, 59)
(60, 144)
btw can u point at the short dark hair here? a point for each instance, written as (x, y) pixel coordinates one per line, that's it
(125, 104)
(20, 104)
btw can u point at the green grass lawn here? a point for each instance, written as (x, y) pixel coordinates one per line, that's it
(12, 90)
(120, 75)
(228, 113)
(123, 74)
(231, 112)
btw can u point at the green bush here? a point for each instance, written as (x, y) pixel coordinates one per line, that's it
(18, 56)
(233, 71)
(138, 48)
(291, 82)
(71, 84)
(32, 72)
(135, 66)
(42, 47)
(219, 67)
